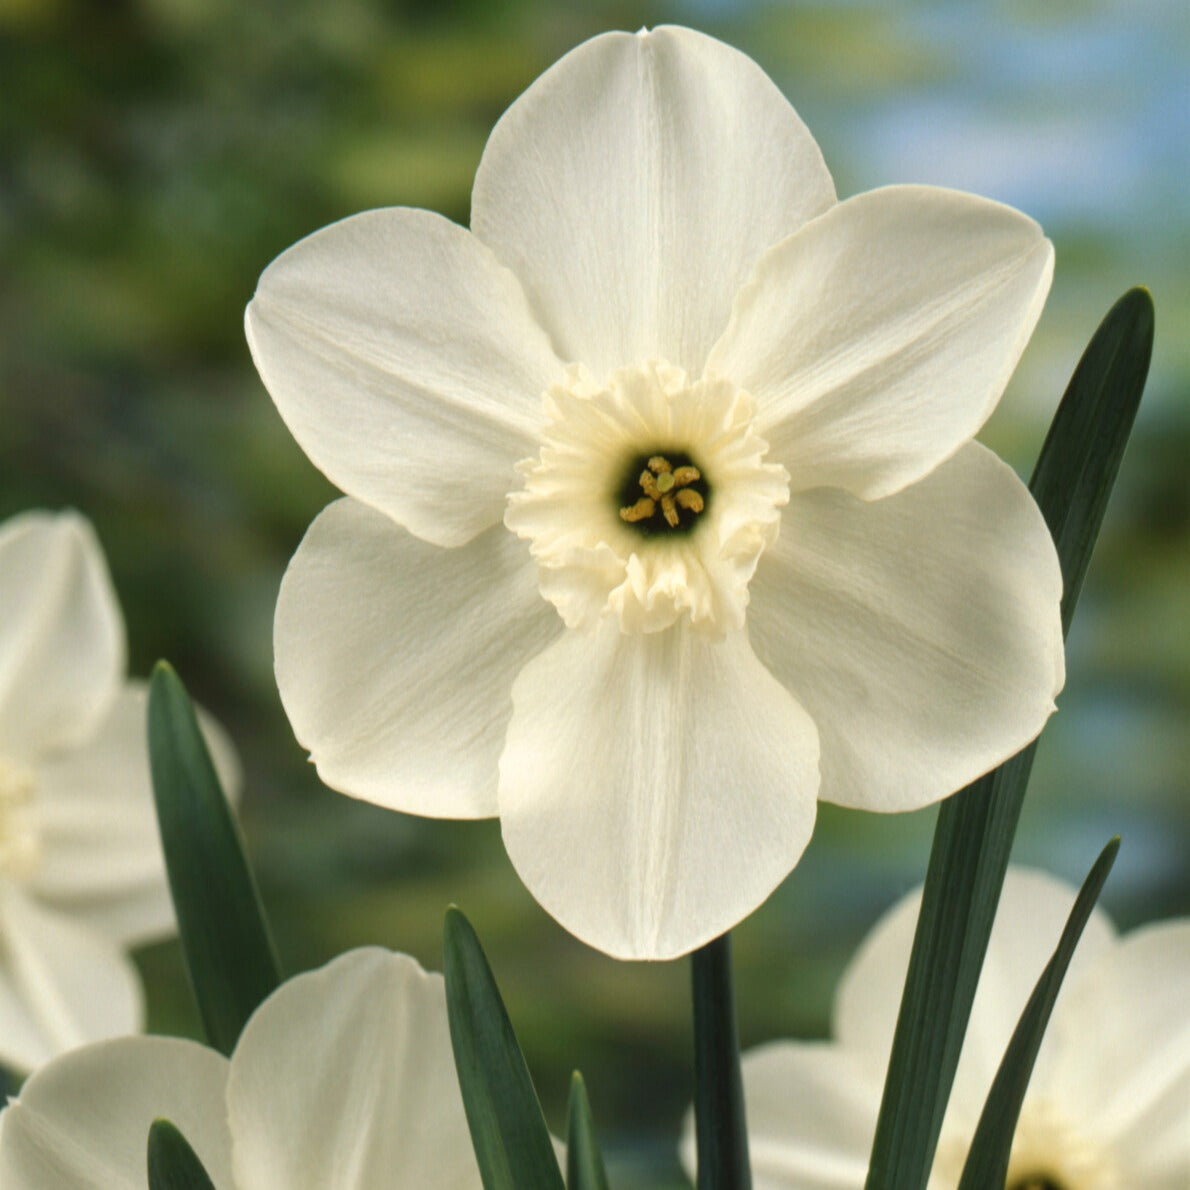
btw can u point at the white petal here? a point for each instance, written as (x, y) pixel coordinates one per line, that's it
(880, 337)
(405, 361)
(61, 984)
(1124, 1067)
(395, 658)
(82, 1122)
(1029, 921)
(655, 788)
(101, 856)
(344, 1077)
(921, 631)
(811, 1111)
(632, 187)
(61, 634)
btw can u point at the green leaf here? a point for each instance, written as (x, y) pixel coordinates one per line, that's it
(224, 934)
(584, 1164)
(173, 1164)
(1081, 455)
(1073, 479)
(991, 1147)
(512, 1144)
(720, 1129)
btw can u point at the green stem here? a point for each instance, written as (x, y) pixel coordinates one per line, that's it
(721, 1132)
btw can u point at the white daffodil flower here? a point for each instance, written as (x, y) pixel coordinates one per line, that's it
(343, 1079)
(81, 871)
(664, 517)
(1107, 1106)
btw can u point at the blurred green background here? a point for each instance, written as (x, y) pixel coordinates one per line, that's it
(155, 155)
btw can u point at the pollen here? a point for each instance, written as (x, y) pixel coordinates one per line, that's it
(667, 488)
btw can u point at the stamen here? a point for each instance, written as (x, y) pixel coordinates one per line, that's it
(649, 485)
(640, 511)
(667, 488)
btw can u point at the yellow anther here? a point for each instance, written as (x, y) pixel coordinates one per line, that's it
(640, 511)
(689, 498)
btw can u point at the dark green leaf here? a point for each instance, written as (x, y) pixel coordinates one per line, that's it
(173, 1164)
(720, 1129)
(229, 952)
(991, 1147)
(512, 1143)
(973, 837)
(584, 1164)
(1077, 467)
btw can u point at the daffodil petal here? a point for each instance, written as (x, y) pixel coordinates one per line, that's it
(1125, 1052)
(634, 184)
(61, 634)
(344, 1078)
(878, 338)
(82, 1122)
(61, 984)
(99, 849)
(920, 631)
(405, 362)
(655, 788)
(395, 658)
(811, 1111)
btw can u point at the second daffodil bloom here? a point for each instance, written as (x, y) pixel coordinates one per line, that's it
(343, 1079)
(664, 517)
(1107, 1106)
(81, 871)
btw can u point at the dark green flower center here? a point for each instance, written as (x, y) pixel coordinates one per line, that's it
(663, 492)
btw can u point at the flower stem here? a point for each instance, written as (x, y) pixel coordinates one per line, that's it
(720, 1129)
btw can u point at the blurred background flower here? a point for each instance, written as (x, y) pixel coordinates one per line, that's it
(1105, 1108)
(155, 155)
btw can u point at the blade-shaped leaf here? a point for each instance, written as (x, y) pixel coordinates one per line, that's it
(991, 1147)
(173, 1164)
(973, 836)
(224, 934)
(1081, 455)
(512, 1143)
(720, 1128)
(584, 1164)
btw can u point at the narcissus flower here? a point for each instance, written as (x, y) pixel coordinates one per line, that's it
(342, 1078)
(664, 517)
(81, 871)
(1106, 1106)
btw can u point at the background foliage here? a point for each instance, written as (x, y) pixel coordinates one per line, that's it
(156, 154)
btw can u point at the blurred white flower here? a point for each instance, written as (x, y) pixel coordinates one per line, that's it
(342, 1078)
(1107, 1106)
(664, 517)
(81, 872)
